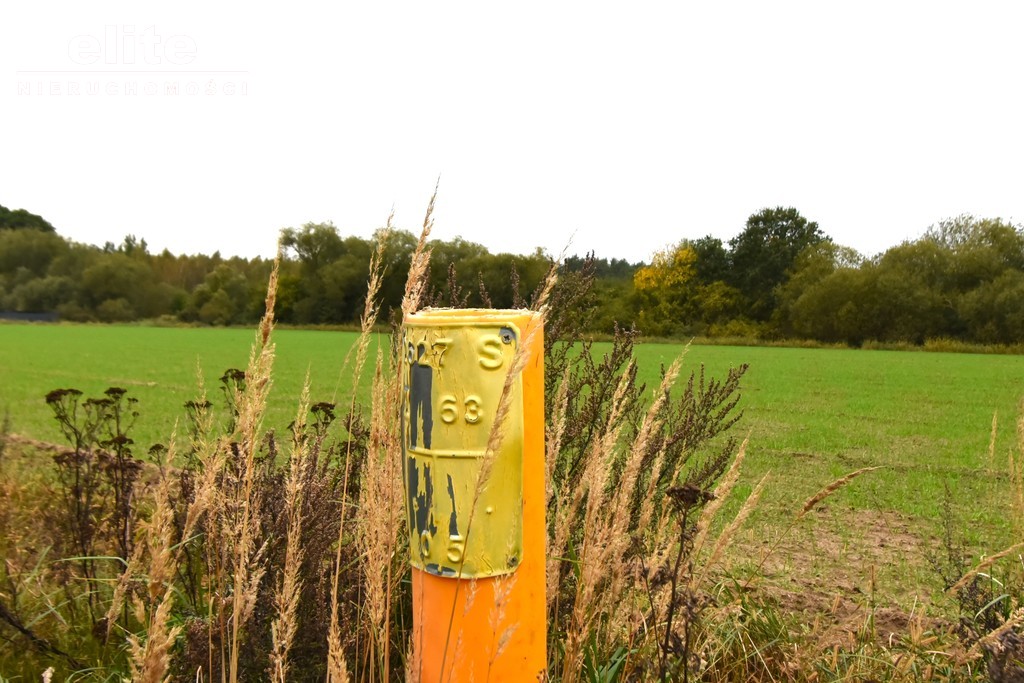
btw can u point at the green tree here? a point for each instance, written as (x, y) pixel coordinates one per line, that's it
(977, 250)
(994, 311)
(712, 259)
(398, 249)
(116, 310)
(42, 294)
(907, 309)
(223, 298)
(604, 269)
(836, 308)
(811, 266)
(332, 273)
(26, 258)
(495, 274)
(183, 271)
(133, 246)
(127, 284)
(466, 258)
(340, 285)
(719, 304)
(612, 301)
(73, 261)
(29, 249)
(762, 255)
(615, 304)
(315, 245)
(20, 219)
(921, 272)
(883, 300)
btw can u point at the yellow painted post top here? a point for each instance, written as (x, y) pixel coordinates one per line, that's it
(455, 362)
(479, 608)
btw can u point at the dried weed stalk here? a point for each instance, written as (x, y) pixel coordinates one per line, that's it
(520, 359)
(244, 536)
(380, 523)
(289, 586)
(337, 668)
(151, 657)
(616, 465)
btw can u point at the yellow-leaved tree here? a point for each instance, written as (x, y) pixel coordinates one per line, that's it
(665, 290)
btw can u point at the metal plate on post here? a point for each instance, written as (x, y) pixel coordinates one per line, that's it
(454, 369)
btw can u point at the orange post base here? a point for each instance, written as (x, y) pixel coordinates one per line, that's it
(497, 628)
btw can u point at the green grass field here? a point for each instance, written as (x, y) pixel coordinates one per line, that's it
(818, 413)
(158, 366)
(811, 414)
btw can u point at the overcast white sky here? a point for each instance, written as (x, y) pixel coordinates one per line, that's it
(628, 125)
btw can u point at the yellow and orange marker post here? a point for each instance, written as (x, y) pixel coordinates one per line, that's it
(476, 542)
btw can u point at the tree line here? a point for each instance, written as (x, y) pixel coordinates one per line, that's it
(780, 277)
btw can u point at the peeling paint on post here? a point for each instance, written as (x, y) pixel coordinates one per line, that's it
(479, 572)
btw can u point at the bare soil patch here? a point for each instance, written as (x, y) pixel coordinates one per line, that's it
(846, 573)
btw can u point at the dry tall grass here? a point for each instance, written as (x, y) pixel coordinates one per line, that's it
(151, 654)
(244, 537)
(337, 668)
(380, 522)
(289, 586)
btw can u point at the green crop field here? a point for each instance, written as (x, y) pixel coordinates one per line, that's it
(158, 366)
(814, 414)
(811, 414)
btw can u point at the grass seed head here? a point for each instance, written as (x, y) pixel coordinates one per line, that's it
(839, 483)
